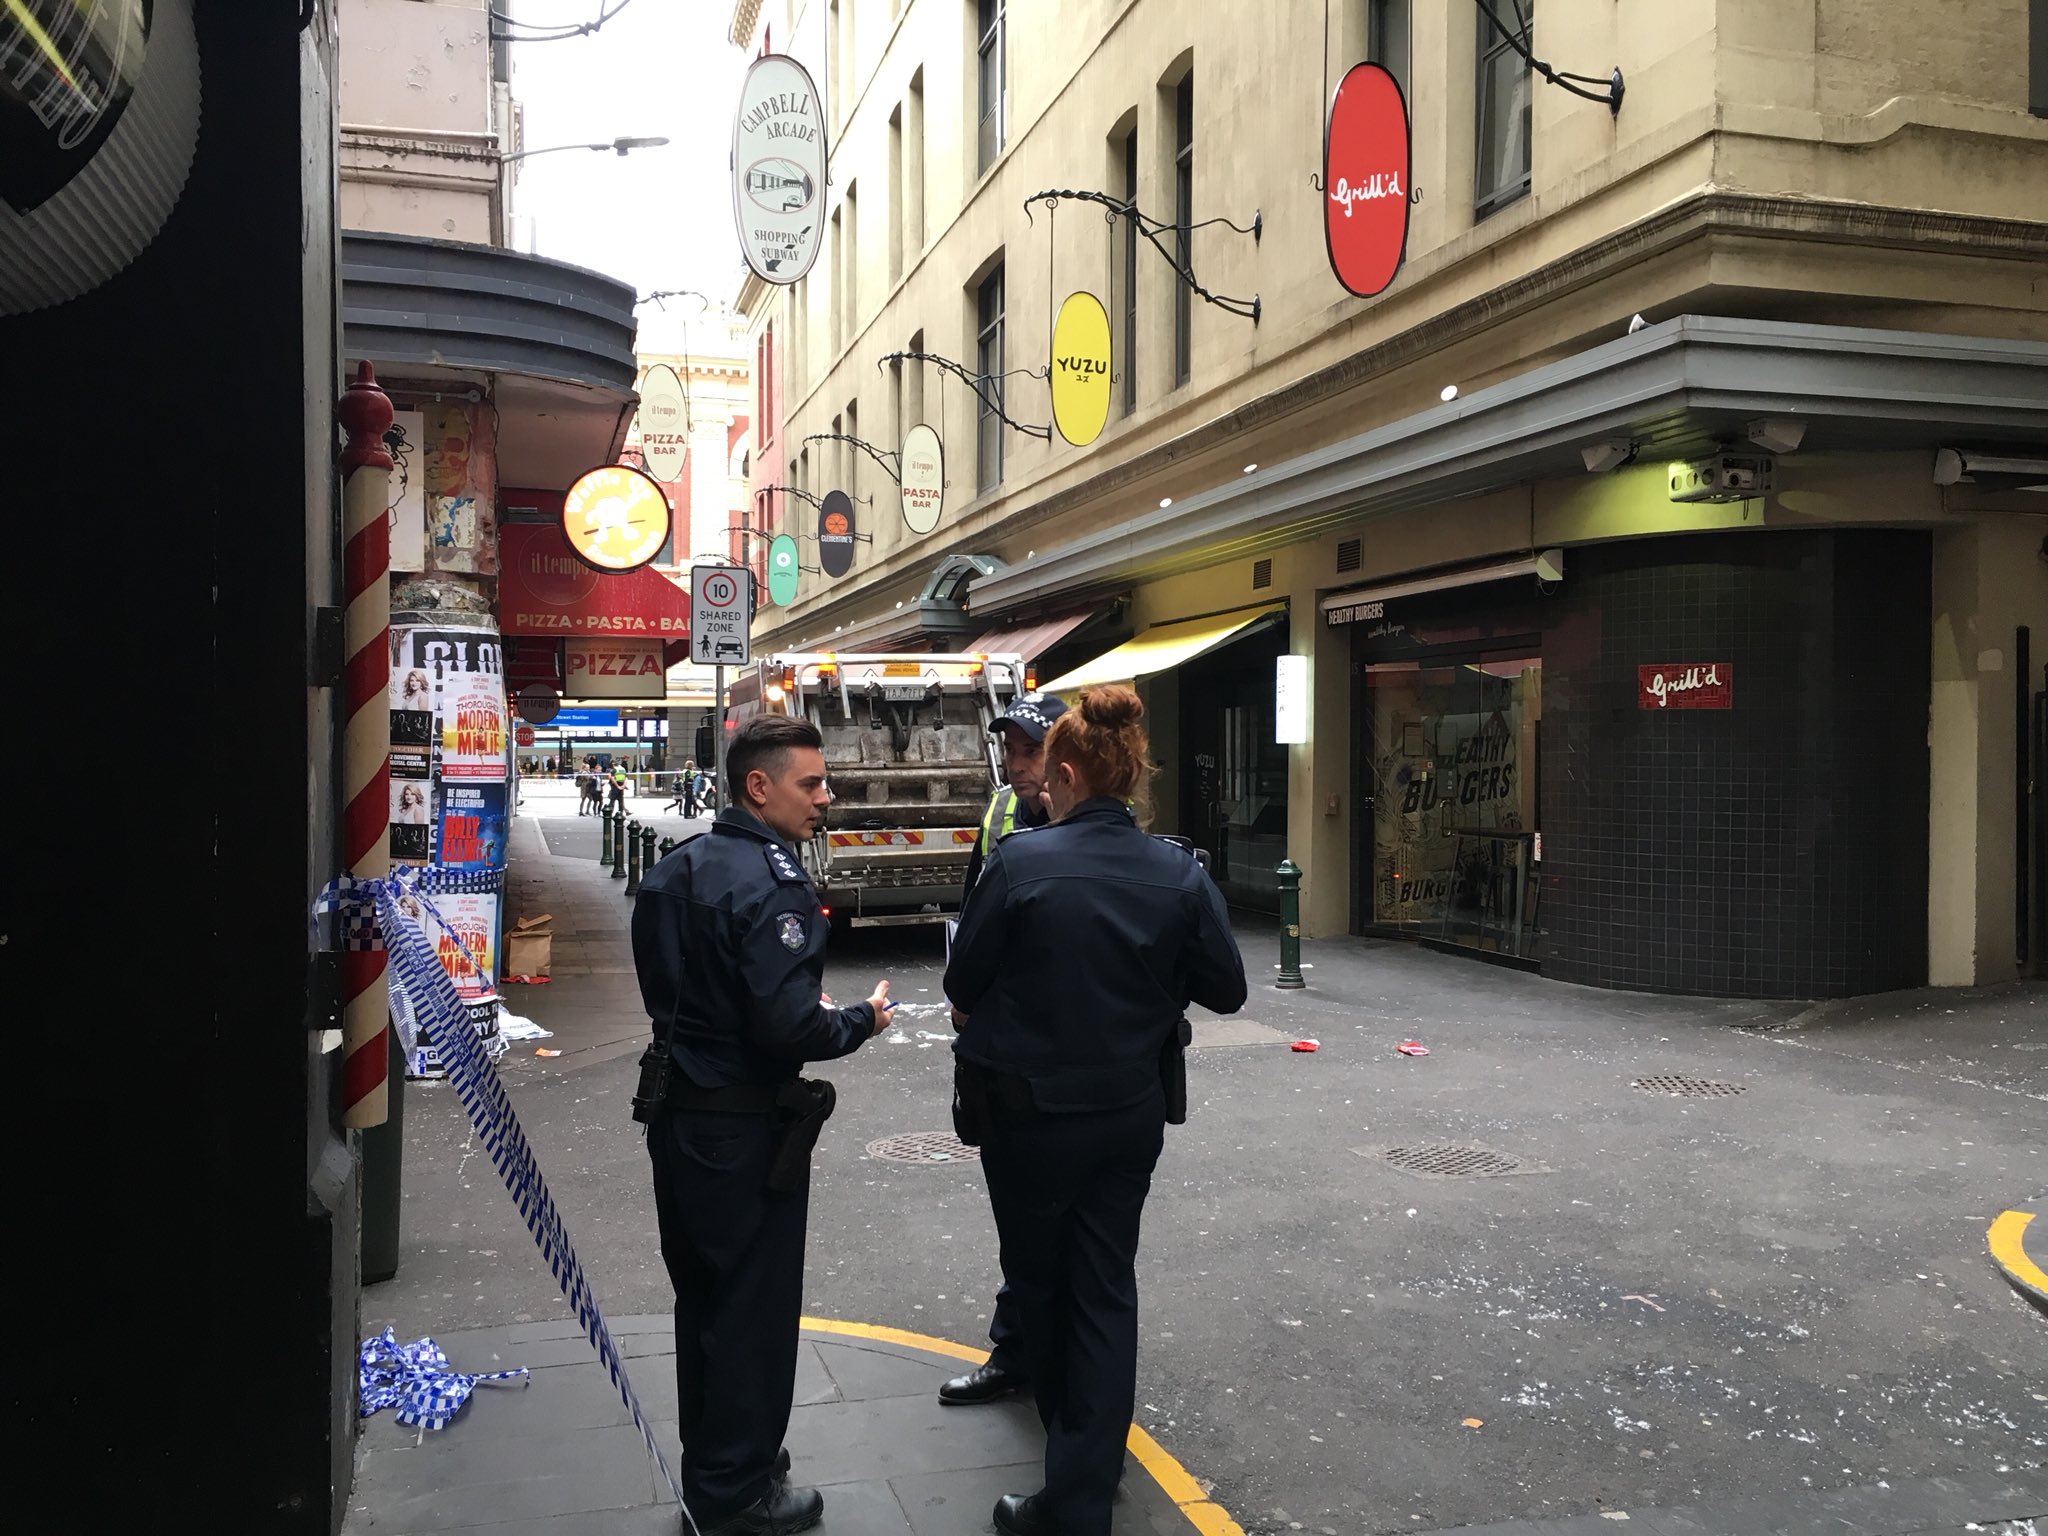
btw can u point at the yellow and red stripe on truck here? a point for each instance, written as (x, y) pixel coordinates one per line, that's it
(875, 839)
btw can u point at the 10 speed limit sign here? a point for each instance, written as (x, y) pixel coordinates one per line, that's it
(721, 613)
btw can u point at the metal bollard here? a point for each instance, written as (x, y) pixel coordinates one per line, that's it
(668, 846)
(604, 849)
(647, 855)
(1290, 926)
(620, 837)
(633, 858)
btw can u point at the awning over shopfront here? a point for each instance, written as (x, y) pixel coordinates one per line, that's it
(1031, 641)
(1356, 603)
(1160, 648)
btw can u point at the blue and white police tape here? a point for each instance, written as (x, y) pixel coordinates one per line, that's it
(423, 995)
(417, 1380)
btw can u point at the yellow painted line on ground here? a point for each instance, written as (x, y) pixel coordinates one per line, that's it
(2008, 1248)
(1203, 1513)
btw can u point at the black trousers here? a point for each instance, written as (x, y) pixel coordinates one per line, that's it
(1006, 1334)
(1068, 1192)
(735, 1254)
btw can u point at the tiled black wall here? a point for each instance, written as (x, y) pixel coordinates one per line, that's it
(1775, 849)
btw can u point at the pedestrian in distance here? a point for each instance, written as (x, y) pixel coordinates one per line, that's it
(690, 787)
(1069, 1103)
(1019, 802)
(618, 788)
(729, 943)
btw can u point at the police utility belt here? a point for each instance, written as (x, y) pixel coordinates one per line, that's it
(984, 1095)
(802, 1105)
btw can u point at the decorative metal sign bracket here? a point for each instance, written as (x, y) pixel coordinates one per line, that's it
(881, 456)
(974, 381)
(1151, 228)
(789, 490)
(1612, 87)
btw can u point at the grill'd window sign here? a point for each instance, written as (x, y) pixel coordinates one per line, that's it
(1366, 180)
(923, 461)
(1080, 369)
(836, 534)
(99, 119)
(664, 429)
(615, 518)
(778, 168)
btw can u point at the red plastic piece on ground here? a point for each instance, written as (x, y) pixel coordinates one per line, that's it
(1308, 1045)
(1411, 1048)
(529, 981)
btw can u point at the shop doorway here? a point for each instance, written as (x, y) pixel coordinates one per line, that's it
(1233, 789)
(1450, 846)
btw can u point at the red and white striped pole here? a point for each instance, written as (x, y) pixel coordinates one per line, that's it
(365, 414)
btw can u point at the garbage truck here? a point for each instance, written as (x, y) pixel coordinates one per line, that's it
(910, 762)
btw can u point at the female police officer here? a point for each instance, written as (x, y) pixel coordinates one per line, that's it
(1069, 1102)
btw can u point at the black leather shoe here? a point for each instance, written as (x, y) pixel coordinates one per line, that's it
(983, 1384)
(784, 1511)
(1019, 1515)
(781, 1472)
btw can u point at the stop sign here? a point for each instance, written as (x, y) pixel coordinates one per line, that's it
(524, 736)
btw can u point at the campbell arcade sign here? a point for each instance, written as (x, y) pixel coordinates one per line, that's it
(778, 169)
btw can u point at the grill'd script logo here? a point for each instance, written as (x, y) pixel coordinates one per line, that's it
(1366, 180)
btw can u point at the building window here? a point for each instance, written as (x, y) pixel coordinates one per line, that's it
(1387, 34)
(852, 455)
(1183, 218)
(849, 276)
(988, 362)
(835, 298)
(764, 384)
(913, 387)
(896, 220)
(1129, 319)
(1501, 172)
(990, 71)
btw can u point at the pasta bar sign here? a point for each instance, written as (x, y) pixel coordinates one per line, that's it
(1686, 685)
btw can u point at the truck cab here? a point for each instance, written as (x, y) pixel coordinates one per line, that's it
(910, 763)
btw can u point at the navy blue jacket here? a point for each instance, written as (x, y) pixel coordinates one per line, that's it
(729, 939)
(1081, 947)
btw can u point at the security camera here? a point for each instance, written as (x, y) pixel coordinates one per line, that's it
(1997, 470)
(1724, 477)
(1611, 455)
(1636, 323)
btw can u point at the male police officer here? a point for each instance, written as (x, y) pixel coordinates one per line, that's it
(729, 942)
(1019, 803)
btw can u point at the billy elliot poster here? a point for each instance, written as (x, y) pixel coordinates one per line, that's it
(473, 826)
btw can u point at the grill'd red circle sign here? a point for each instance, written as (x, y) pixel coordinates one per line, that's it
(1365, 180)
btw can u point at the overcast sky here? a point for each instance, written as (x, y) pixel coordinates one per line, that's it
(658, 218)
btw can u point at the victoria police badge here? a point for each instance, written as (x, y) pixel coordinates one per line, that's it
(791, 927)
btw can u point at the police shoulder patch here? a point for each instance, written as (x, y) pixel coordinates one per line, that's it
(785, 869)
(790, 929)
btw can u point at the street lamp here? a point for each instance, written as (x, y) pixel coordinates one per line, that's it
(618, 145)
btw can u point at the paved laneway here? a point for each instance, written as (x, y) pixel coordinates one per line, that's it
(1778, 1290)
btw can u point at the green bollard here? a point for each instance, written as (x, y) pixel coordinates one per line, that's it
(621, 835)
(604, 849)
(668, 846)
(646, 851)
(1290, 926)
(633, 846)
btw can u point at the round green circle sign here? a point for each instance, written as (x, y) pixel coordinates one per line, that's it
(782, 571)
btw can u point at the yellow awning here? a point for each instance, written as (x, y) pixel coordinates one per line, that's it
(1167, 645)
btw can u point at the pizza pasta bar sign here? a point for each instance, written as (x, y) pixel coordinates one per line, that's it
(778, 168)
(1366, 180)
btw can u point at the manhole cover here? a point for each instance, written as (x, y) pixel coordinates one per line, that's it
(1451, 1162)
(1690, 1087)
(924, 1147)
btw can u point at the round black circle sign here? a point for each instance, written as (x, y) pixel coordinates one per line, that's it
(836, 533)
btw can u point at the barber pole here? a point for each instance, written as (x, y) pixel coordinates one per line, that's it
(365, 414)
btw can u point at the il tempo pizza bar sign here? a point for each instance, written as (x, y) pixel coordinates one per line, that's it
(1686, 685)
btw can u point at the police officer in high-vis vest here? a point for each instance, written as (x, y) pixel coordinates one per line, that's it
(729, 943)
(1018, 803)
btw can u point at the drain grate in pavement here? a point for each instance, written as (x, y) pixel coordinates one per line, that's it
(1451, 1162)
(924, 1147)
(1689, 1087)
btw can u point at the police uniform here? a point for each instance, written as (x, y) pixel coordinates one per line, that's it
(1068, 1096)
(729, 943)
(1004, 1371)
